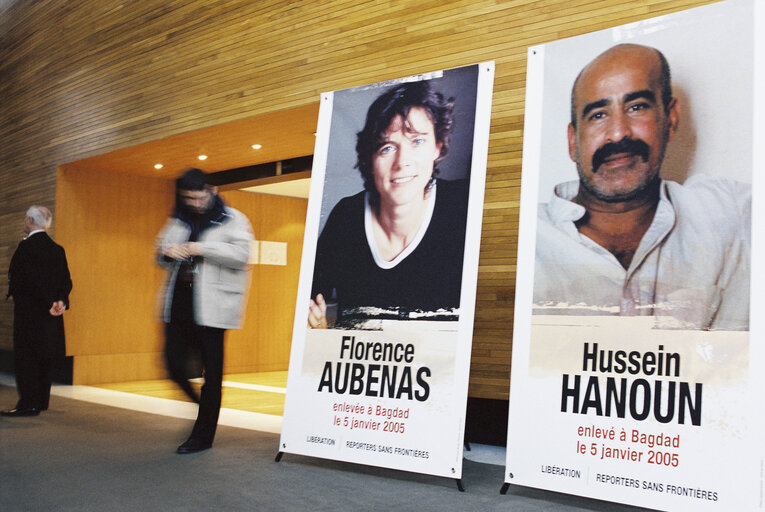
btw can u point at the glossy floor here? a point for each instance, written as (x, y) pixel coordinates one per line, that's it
(253, 401)
(253, 392)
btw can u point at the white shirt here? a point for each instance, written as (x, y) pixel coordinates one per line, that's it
(691, 269)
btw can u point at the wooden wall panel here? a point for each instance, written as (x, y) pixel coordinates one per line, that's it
(263, 344)
(108, 224)
(81, 78)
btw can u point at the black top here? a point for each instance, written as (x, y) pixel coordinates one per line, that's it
(182, 309)
(427, 280)
(39, 276)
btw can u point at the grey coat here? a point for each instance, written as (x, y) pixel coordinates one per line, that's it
(220, 288)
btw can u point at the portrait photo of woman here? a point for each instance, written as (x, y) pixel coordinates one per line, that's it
(395, 249)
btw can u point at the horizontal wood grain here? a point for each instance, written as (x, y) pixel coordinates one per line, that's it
(82, 79)
(108, 224)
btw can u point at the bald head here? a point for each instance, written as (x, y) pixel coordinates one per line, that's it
(622, 117)
(610, 61)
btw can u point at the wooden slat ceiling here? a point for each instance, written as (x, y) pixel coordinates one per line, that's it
(285, 134)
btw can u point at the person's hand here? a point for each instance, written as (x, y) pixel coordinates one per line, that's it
(194, 248)
(176, 251)
(317, 313)
(57, 308)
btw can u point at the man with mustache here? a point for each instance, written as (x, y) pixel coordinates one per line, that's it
(621, 240)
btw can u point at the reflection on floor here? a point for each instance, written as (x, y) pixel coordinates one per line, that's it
(261, 393)
(253, 392)
(252, 401)
(176, 407)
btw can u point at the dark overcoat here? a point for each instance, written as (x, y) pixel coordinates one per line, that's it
(39, 276)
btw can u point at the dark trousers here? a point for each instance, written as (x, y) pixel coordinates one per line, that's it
(181, 338)
(33, 376)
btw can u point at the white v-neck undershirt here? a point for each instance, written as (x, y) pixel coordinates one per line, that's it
(429, 207)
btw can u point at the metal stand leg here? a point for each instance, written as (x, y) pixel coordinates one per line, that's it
(459, 485)
(504, 488)
(278, 456)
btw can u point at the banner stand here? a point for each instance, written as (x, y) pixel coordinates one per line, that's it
(379, 373)
(458, 481)
(610, 358)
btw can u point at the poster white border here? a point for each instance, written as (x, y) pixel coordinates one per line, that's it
(535, 188)
(450, 464)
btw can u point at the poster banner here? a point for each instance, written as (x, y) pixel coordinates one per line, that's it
(381, 343)
(637, 367)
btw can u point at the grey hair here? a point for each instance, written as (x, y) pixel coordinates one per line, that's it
(40, 215)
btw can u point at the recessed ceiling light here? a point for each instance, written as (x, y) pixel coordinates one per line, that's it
(202, 157)
(158, 166)
(257, 146)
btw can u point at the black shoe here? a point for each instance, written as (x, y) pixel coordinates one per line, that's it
(26, 411)
(193, 446)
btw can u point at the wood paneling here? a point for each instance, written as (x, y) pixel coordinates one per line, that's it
(263, 344)
(283, 134)
(108, 224)
(84, 78)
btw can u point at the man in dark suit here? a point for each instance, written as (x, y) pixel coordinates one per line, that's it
(39, 281)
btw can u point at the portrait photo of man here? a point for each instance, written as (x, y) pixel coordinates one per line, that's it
(638, 241)
(622, 240)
